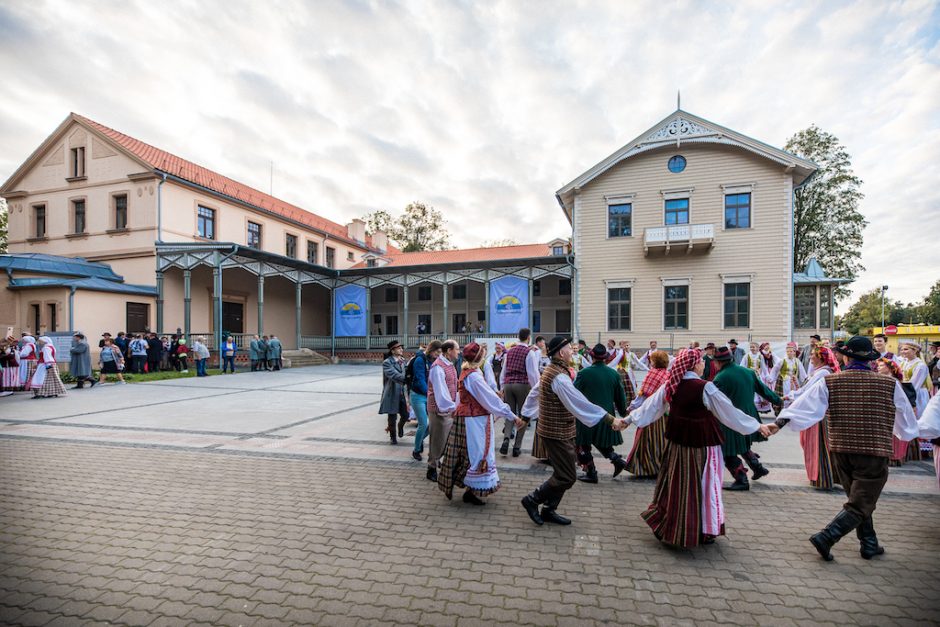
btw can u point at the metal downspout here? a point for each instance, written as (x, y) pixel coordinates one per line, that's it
(72, 308)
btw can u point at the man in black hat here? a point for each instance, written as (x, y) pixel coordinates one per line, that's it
(737, 354)
(560, 403)
(603, 387)
(807, 351)
(864, 410)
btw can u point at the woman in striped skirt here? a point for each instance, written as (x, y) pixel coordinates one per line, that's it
(899, 449)
(649, 442)
(687, 508)
(815, 440)
(46, 382)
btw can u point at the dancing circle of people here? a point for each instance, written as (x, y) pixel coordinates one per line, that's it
(857, 407)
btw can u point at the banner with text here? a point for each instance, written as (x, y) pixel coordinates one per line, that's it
(349, 311)
(509, 305)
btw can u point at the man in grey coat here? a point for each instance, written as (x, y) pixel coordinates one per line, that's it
(80, 366)
(393, 393)
(737, 354)
(274, 352)
(254, 353)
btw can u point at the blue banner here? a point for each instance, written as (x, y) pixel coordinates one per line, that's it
(509, 305)
(349, 311)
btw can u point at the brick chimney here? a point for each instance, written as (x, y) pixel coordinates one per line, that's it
(357, 230)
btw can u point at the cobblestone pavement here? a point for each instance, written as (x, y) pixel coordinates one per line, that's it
(165, 515)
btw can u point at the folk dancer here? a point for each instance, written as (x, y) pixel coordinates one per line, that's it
(27, 357)
(863, 409)
(560, 404)
(46, 382)
(711, 366)
(787, 374)
(583, 356)
(470, 454)
(605, 389)
(929, 427)
(519, 375)
(752, 361)
(815, 439)
(880, 341)
(9, 362)
(806, 353)
(628, 365)
(649, 442)
(442, 400)
(687, 508)
(890, 368)
(742, 386)
(919, 386)
(737, 354)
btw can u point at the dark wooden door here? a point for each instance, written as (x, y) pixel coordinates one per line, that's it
(138, 317)
(233, 317)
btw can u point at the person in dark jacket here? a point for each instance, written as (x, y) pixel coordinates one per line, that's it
(393, 394)
(418, 395)
(80, 366)
(154, 349)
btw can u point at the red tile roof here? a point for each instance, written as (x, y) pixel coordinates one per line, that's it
(464, 255)
(189, 171)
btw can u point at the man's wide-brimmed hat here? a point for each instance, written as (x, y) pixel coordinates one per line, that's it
(599, 352)
(709, 345)
(723, 353)
(815, 337)
(393, 344)
(860, 348)
(557, 343)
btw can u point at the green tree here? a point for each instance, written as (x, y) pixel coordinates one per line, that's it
(419, 227)
(930, 307)
(866, 312)
(4, 222)
(826, 219)
(496, 243)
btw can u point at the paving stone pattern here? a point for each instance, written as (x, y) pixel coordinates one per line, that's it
(95, 533)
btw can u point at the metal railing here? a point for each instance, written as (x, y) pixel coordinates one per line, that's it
(380, 342)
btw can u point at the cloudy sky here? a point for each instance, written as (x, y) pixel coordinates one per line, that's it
(484, 109)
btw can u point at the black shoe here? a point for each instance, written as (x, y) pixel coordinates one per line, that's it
(504, 449)
(619, 464)
(401, 431)
(758, 469)
(432, 474)
(473, 499)
(868, 540)
(93, 382)
(740, 481)
(416, 455)
(516, 452)
(843, 523)
(532, 509)
(550, 515)
(589, 477)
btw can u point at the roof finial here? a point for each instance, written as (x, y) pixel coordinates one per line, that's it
(678, 99)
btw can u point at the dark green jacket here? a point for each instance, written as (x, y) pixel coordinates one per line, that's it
(603, 387)
(740, 384)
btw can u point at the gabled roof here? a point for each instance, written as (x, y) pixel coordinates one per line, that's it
(814, 274)
(53, 264)
(683, 127)
(464, 255)
(163, 162)
(88, 283)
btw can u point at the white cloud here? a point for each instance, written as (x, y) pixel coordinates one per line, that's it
(485, 109)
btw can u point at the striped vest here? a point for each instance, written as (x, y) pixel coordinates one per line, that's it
(861, 412)
(514, 364)
(450, 378)
(555, 421)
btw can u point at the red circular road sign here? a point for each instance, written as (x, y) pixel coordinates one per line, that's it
(891, 330)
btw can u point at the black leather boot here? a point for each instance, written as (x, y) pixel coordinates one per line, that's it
(550, 515)
(471, 498)
(531, 504)
(402, 421)
(620, 464)
(391, 429)
(504, 449)
(753, 462)
(741, 483)
(868, 540)
(590, 476)
(842, 524)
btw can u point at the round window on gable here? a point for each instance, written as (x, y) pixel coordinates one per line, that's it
(677, 164)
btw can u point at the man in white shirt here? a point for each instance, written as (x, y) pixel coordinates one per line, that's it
(519, 375)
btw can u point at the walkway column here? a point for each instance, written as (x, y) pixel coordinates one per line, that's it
(486, 306)
(217, 307)
(368, 316)
(159, 302)
(531, 304)
(445, 287)
(405, 300)
(260, 304)
(298, 293)
(187, 302)
(333, 319)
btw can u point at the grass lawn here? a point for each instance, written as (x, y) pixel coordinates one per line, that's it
(151, 376)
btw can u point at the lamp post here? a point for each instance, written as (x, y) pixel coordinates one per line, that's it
(884, 288)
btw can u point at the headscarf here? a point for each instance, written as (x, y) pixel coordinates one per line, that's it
(45, 339)
(654, 380)
(686, 360)
(825, 355)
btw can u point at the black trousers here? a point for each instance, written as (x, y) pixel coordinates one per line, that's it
(562, 456)
(863, 477)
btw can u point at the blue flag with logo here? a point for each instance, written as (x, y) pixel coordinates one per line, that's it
(349, 311)
(509, 305)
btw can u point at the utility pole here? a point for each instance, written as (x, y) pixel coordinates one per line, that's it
(884, 288)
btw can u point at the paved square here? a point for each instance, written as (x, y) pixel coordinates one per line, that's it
(273, 498)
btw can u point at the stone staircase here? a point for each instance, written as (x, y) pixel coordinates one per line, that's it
(303, 357)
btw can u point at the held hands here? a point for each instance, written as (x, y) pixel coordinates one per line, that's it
(620, 424)
(519, 422)
(769, 430)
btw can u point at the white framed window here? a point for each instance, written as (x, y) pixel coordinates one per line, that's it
(677, 304)
(619, 304)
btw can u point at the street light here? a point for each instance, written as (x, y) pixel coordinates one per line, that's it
(884, 288)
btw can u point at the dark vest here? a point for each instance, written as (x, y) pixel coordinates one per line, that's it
(690, 423)
(515, 365)
(555, 421)
(861, 412)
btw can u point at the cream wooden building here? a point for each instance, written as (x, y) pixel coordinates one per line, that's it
(684, 234)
